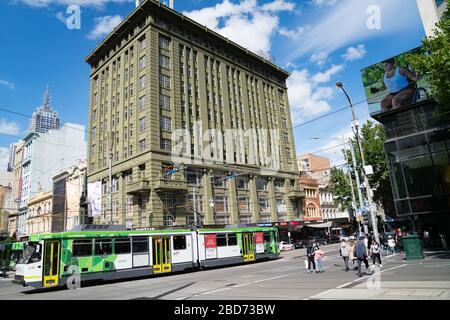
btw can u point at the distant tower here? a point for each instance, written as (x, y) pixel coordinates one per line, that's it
(171, 4)
(44, 118)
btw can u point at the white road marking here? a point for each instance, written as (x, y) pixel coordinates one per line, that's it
(356, 280)
(268, 279)
(241, 285)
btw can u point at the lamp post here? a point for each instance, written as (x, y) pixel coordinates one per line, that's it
(355, 125)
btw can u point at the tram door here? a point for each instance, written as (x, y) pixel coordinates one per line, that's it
(247, 247)
(161, 254)
(51, 263)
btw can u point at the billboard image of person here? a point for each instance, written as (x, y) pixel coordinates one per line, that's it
(95, 199)
(393, 83)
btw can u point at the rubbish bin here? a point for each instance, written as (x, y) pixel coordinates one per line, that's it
(413, 248)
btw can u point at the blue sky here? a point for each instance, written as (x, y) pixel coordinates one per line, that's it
(318, 41)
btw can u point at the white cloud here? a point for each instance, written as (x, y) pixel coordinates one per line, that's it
(346, 24)
(7, 84)
(278, 5)
(83, 3)
(292, 34)
(319, 58)
(103, 26)
(323, 77)
(9, 127)
(305, 98)
(324, 2)
(245, 23)
(353, 53)
(4, 158)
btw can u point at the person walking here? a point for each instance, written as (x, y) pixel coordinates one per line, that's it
(351, 256)
(426, 239)
(318, 255)
(310, 252)
(344, 252)
(375, 252)
(360, 252)
(391, 244)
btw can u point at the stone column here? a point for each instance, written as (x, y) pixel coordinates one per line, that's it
(254, 198)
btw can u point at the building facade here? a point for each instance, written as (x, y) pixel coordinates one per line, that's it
(11, 157)
(431, 12)
(16, 189)
(6, 206)
(158, 84)
(44, 118)
(417, 148)
(312, 200)
(40, 215)
(44, 155)
(313, 164)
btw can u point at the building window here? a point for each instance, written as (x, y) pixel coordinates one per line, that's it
(221, 204)
(194, 177)
(164, 102)
(264, 206)
(164, 61)
(142, 101)
(242, 183)
(166, 124)
(141, 124)
(279, 185)
(244, 205)
(199, 202)
(164, 81)
(142, 82)
(261, 184)
(166, 144)
(142, 42)
(142, 62)
(219, 180)
(164, 42)
(142, 145)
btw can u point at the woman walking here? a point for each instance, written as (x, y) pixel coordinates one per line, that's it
(344, 252)
(318, 255)
(375, 252)
(352, 257)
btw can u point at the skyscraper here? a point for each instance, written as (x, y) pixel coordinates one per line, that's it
(44, 118)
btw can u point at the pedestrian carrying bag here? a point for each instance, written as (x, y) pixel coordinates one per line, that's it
(306, 263)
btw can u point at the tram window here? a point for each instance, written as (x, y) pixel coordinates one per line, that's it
(232, 239)
(103, 247)
(140, 244)
(82, 248)
(179, 242)
(221, 240)
(266, 237)
(122, 246)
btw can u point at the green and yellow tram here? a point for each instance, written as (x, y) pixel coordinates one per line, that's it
(10, 254)
(51, 260)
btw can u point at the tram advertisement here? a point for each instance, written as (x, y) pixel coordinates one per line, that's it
(210, 246)
(259, 240)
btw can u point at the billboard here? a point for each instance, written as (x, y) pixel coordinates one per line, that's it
(393, 83)
(95, 199)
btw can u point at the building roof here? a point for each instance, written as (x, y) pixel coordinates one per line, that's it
(148, 4)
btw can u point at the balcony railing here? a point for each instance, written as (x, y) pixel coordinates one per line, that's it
(140, 186)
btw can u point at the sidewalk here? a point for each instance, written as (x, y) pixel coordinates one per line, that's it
(427, 279)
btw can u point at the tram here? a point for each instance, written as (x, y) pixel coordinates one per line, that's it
(49, 260)
(10, 254)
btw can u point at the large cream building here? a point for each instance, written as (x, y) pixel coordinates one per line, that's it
(158, 83)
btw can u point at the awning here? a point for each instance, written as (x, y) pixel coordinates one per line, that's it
(319, 225)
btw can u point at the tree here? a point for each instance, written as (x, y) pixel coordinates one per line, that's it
(372, 140)
(340, 188)
(436, 63)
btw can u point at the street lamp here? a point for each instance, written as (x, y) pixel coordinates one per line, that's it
(355, 125)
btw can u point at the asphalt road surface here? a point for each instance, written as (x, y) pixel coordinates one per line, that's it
(285, 278)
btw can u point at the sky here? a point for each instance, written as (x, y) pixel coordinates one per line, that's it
(319, 42)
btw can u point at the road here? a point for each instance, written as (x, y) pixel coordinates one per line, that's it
(285, 279)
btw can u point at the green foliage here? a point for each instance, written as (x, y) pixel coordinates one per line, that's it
(372, 140)
(340, 188)
(436, 63)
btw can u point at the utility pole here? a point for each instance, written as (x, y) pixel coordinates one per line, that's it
(110, 176)
(354, 206)
(194, 206)
(366, 180)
